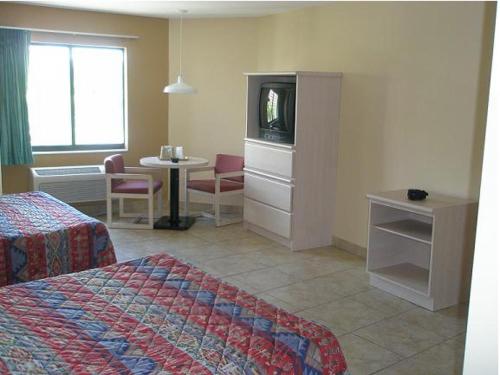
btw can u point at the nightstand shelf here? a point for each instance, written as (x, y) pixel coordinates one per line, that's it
(421, 251)
(407, 275)
(413, 229)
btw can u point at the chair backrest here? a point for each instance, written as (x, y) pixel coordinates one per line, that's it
(114, 164)
(229, 163)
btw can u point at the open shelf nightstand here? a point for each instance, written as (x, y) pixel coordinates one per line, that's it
(421, 250)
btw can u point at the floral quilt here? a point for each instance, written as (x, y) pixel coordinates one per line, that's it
(155, 315)
(41, 236)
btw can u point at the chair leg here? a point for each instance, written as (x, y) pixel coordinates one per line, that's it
(121, 207)
(160, 204)
(109, 210)
(151, 217)
(217, 209)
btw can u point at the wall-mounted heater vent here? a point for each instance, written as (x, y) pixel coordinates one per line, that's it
(76, 184)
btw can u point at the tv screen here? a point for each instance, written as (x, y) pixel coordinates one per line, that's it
(277, 112)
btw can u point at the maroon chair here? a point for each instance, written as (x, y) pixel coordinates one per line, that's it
(130, 182)
(228, 173)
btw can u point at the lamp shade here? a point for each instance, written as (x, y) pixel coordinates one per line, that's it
(180, 87)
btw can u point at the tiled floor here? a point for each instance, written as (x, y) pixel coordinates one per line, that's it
(378, 333)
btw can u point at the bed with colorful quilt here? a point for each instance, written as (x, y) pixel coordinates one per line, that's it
(41, 236)
(155, 315)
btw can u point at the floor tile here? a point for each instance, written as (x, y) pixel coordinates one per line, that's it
(180, 242)
(347, 282)
(140, 249)
(243, 245)
(203, 253)
(266, 279)
(447, 322)
(384, 302)
(123, 236)
(312, 268)
(232, 265)
(345, 314)
(213, 234)
(125, 255)
(331, 253)
(399, 336)
(275, 256)
(364, 357)
(306, 294)
(438, 360)
(457, 343)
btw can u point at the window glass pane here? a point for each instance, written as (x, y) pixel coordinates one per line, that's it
(98, 95)
(49, 104)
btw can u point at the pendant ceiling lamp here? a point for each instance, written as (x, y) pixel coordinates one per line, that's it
(180, 87)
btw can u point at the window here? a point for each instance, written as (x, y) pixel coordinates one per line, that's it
(76, 98)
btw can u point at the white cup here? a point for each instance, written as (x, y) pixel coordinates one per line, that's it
(166, 152)
(179, 152)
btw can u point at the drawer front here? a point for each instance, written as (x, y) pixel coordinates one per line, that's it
(265, 190)
(269, 159)
(267, 217)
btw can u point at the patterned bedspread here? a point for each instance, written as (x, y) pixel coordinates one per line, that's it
(41, 236)
(155, 315)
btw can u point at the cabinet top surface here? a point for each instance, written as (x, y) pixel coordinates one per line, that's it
(331, 74)
(433, 202)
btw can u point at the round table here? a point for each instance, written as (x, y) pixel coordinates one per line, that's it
(174, 221)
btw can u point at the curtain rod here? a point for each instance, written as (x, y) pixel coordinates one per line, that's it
(119, 36)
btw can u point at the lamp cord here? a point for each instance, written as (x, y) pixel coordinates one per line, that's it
(180, 49)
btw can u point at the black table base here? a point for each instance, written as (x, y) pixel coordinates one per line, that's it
(183, 223)
(174, 221)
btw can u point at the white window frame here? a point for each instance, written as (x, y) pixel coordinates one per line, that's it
(73, 148)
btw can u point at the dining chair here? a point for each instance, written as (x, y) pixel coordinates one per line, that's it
(229, 180)
(130, 183)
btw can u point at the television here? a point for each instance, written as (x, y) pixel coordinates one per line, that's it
(277, 112)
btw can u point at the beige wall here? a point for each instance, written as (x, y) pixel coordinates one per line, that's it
(215, 54)
(413, 96)
(147, 75)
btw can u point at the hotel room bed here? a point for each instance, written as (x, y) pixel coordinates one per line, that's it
(41, 236)
(155, 315)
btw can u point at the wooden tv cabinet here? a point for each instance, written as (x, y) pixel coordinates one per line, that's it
(290, 188)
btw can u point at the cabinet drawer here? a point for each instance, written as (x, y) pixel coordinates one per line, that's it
(267, 217)
(269, 159)
(265, 190)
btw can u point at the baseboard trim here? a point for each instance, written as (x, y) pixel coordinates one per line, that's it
(349, 247)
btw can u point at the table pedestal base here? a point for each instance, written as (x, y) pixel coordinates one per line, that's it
(184, 223)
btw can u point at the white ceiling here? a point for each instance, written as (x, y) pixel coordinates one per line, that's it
(170, 9)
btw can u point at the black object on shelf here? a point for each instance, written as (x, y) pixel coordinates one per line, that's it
(417, 195)
(174, 160)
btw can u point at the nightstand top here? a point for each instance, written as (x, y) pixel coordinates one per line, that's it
(433, 202)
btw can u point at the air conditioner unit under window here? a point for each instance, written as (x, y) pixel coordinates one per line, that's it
(75, 184)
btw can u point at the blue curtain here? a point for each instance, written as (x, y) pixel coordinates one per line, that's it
(15, 144)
